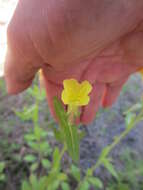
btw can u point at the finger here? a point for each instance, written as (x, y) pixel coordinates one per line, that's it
(18, 74)
(112, 93)
(52, 90)
(96, 96)
(22, 60)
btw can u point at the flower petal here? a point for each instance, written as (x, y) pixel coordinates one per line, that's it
(75, 93)
(71, 84)
(84, 100)
(64, 97)
(85, 88)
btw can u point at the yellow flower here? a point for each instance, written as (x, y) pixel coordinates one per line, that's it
(76, 94)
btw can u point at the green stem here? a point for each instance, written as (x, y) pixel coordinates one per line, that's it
(36, 125)
(36, 114)
(63, 151)
(111, 147)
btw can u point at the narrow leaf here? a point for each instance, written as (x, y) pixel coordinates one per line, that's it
(56, 159)
(72, 140)
(65, 186)
(34, 167)
(71, 135)
(130, 118)
(46, 163)
(26, 186)
(96, 182)
(62, 177)
(2, 166)
(29, 158)
(34, 182)
(85, 185)
(110, 168)
(104, 152)
(75, 171)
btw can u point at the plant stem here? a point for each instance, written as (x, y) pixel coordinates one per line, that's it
(63, 151)
(117, 140)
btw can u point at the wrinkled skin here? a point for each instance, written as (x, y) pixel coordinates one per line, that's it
(96, 40)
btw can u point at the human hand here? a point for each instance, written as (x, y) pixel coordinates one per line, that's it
(93, 40)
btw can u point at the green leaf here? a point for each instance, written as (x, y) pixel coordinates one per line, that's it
(123, 187)
(72, 140)
(2, 166)
(71, 135)
(34, 182)
(65, 186)
(34, 91)
(42, 183)
(58, 135)
(2, 177)
(33, 145)
(29, 137)
(56, 159)
(46, 163)
(55, 185)
(27, 113)
(134, 108)
(62, 177)
(37, 133)
(110, 168)
(130, 118)
(26, 186)
(96, 182)
(89, 172)
(104, 152)
(75, 171)
(37, 93)
(34, 167)
(44, 134)
(30, 158)
(45, 147)
(60, 112)
(51, 179)
(85, 185)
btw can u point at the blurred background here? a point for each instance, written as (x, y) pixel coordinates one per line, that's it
(127, 156)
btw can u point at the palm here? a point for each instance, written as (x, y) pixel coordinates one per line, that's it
(86, 40)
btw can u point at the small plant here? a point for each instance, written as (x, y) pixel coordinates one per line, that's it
(53, 180)
(36, 139)
(46, 171)
(130, 176)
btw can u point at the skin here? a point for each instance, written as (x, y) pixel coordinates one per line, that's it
(96, 40)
